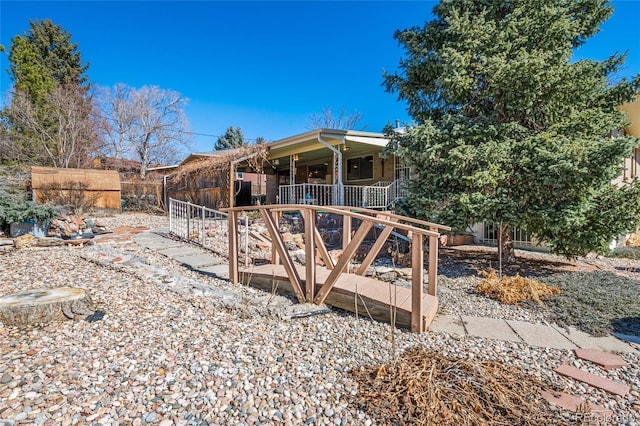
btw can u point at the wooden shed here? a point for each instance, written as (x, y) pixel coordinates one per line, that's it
(99, 189)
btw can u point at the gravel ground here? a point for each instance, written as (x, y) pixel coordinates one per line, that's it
(161, 357)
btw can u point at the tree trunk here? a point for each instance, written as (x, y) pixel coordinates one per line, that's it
(506, 252)
(43, 305)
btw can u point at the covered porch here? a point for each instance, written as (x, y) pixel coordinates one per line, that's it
(334, 167)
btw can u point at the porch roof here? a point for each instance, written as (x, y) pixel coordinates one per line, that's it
(310, 141)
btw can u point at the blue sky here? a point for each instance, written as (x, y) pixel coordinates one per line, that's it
(263, 66)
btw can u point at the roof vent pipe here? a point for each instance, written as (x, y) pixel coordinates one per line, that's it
(397, 124)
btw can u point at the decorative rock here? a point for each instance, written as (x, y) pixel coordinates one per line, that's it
(39, 306)
(23, 241)
(6, 378)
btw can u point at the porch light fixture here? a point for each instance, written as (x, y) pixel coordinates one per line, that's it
(345, 147)
(295, 157)
(276, 162)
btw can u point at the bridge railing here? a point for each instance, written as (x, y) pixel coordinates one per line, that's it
(416, 230)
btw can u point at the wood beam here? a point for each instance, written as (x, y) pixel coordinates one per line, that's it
(417, 259)
(276, 241)
(275, 259)
(375, 249)
(322, 249)
(344, 260)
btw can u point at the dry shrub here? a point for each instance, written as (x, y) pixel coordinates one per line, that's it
(425, 388)
(512, 290)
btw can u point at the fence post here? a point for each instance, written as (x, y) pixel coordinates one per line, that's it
(188, 221)
(170, 215)
(204, 235)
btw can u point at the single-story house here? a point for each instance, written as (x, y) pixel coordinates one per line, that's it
(322, 166)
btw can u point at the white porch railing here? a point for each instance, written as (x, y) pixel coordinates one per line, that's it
(202, 225)
(378, 195)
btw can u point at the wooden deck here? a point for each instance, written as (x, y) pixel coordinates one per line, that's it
(376, 298)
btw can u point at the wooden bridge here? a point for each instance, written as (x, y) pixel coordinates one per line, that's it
(336, 283)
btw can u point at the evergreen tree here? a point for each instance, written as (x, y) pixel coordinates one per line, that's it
(232, 138)
(509, 130)
(45, 63)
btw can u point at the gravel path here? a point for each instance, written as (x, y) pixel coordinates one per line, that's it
(161, 357)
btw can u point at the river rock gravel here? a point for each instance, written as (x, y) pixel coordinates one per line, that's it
(163, 357)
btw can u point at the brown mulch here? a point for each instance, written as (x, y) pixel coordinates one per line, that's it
(423, 387)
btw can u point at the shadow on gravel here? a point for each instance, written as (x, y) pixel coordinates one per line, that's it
(627, 325)
(456, 263)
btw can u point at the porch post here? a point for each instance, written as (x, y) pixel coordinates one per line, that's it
(292, 180)
(339, 186)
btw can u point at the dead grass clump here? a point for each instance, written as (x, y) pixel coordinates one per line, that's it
(425, 388)
(512, 290)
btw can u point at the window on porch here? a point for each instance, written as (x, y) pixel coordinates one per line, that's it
(360, 168)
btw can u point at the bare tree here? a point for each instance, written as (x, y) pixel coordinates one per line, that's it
(327, 120)
(161, 125)
(64, 133)
(118, 119)
(148, 124)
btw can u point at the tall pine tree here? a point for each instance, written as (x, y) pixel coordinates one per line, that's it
(509, 129)
(49, 80)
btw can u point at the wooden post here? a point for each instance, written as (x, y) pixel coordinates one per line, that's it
(309, 253)
(233, 247)
(346, 235)
(232, 177)
(434, 242)
(417, 259)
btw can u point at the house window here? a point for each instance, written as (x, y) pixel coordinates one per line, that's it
(318, 171)
(360, 168)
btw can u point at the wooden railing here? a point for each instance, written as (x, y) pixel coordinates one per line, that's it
(306, 291)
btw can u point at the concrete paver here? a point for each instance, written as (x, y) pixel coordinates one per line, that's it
(490, 328)
(220, 271)
(540, 335)
(584, 340)
(181, 251)
(606, 360)
(573, 403)
(157, 244)
(451, 324)
(197, 260)
(593, 379)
